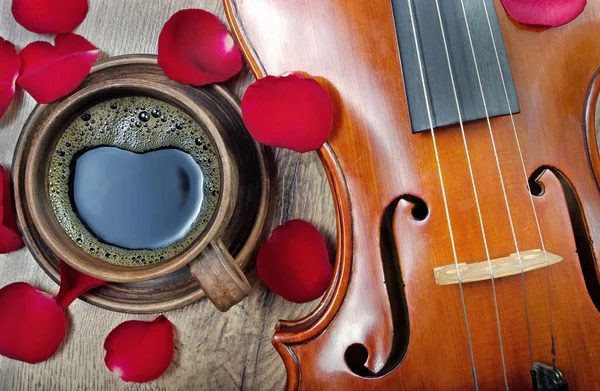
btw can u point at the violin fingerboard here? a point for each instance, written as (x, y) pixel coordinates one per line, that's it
(434, 62)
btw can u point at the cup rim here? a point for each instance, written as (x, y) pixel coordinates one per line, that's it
(46, 223)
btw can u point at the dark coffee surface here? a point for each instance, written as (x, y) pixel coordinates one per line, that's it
(141, 126)
(137, 201)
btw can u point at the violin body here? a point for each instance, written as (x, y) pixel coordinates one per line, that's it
(384, 322)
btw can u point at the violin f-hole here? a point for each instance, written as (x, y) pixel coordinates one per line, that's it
(581, 234)
(357, 354)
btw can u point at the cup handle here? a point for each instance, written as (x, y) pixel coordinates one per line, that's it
(220, 276)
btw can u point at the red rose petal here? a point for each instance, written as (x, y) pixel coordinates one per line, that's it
(9, 219)
(74, 284)
(51, 72)
(544, 12)
(195, 48)
(140, 351)
(294, 263)
(10, 63)
(32, 325)
(291, 111)
(49, 16)
(10, 239)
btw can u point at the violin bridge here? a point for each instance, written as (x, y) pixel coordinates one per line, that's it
(501, 267)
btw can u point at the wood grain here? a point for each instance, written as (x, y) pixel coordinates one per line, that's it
(214, 350)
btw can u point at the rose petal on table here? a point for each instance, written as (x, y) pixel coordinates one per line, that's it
(10, 63)
(10, 238)
(544, 12)
(140, 351)
(32, 325)
(49, 16)
(194, 47)
(3, 192)
(51, 72)
(292, 111)
(294, 263)
(8, 216)
(73, 284)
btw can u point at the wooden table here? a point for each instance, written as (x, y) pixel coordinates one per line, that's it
(214, 351)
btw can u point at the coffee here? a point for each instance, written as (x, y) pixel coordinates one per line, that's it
(134, 181)
(137, 201)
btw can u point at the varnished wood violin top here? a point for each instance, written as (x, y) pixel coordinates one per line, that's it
(384, 322)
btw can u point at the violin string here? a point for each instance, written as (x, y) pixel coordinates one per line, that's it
(510, 219)
(476, 196)
(443, 190)
(537, 222)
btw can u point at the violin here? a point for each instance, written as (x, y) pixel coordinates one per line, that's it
(464, 166)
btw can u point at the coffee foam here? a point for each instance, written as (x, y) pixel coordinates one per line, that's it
(137, 124)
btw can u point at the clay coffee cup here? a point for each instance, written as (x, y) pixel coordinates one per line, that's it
(209, 260)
